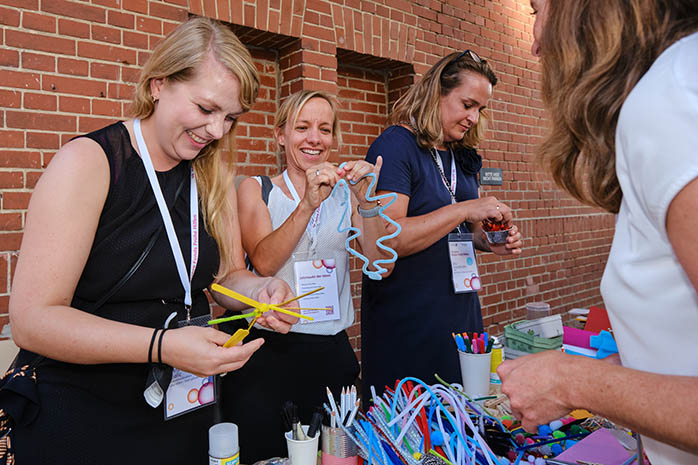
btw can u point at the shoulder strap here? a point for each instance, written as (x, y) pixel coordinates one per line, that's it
(267, 186)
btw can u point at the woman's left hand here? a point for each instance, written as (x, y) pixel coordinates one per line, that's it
(275, 291)
(355, 174)
(511, 246)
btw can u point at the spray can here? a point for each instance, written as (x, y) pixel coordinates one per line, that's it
(495, 360)
(223, 446)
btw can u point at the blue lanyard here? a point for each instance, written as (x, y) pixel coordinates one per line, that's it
(167, 219)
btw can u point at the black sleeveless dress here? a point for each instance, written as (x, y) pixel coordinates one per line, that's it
(96, 414)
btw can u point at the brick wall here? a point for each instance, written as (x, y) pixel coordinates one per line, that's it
(67, 67)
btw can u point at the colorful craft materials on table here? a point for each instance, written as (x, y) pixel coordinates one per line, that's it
(416, 423)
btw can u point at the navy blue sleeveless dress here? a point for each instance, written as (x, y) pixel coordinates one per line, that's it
(407, 318)
(93, 414)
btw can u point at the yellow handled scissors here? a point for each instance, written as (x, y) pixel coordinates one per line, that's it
(259, 308)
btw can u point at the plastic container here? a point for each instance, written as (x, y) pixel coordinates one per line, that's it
(497, 237)
(530, 343)
(223, 447)
(475, 373)
(535, 310)
(549, 326)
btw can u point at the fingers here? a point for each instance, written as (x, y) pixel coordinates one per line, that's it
(237, 356)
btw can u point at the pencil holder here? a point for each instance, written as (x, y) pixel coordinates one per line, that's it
(475, 373)
(338, 448)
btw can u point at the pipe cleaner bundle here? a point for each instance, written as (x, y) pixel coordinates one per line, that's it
(421, 424)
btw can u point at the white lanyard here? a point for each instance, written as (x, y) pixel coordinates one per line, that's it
(452, 187)
(167, 220)
(314, 220)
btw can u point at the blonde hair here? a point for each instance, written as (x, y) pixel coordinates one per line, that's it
(419, 107)
(178, 58)
(288, 111)
(593, 53)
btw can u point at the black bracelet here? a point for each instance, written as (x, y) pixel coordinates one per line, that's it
(150, 348)
(160, 345)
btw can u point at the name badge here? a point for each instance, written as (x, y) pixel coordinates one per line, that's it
(312, 274)
(463, 265)
(188, 392)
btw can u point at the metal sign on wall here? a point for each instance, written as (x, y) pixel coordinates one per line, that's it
(491, 176)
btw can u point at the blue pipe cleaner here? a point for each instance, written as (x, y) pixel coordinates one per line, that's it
(446, 413)
(356, 232)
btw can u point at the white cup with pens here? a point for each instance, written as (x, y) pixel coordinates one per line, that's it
(475, 355)
(302, 440)
(302, 451)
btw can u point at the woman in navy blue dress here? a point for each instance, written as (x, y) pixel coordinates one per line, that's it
(429, 160)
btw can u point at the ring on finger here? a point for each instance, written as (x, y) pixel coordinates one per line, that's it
(497, 207)
(317, 173)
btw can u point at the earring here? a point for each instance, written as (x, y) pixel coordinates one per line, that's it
(155, 99)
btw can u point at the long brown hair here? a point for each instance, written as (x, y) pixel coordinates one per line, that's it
(419, 107)
(593, 53)
(177, 58)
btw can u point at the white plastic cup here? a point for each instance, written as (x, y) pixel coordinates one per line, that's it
(302, 452)
(475, 373)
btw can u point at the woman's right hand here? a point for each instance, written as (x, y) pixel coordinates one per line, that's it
(200, 351)
(486, 208)
(320, 180)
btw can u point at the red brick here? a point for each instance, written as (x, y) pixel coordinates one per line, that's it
(39, 42)
(11, 179)
(43, 140)
(87, 87)
(38, 22)
(161, 10)
(106, 108)
(104, 71)
(8, 222)
(78, 10)
(110, 52)
(72, 66)
(19, 79)
(34, 101)
(145, 24)
(9, 58)
(27, 120)
(12, 139)
(19, 159)
(120, 91)
(9, 16)
(32, 178)
(120, 19)
(87, 124)
(106, 34)
(9, 242)
(72, 28)
(135, 39)
(74, 104)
